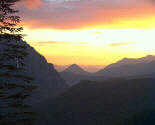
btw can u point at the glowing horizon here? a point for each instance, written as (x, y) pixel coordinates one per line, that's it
(97, 36)
(102, 47)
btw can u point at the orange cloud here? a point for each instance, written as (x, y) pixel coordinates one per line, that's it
(90, 19)
(31, 4)
(88, 14)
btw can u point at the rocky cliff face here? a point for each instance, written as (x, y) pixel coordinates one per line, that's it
(48, 81)
(46, 78)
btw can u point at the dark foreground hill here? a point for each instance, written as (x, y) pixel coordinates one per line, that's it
(115, 102)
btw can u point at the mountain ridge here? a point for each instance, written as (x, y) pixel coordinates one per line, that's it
(129, 67)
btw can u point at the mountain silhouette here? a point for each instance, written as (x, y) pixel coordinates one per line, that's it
(74, 74)
(129, 67)
(47, 80)
(74, 68)
(146, 59)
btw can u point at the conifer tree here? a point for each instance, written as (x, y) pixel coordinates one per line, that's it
(8, 19)
(15, 82)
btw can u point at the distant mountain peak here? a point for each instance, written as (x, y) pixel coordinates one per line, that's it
(74, 68)
(150, 57)
(130, 67)
(145, 59)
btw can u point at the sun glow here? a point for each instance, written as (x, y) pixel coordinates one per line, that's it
(144, 38)
(90, 32)
(91, 46)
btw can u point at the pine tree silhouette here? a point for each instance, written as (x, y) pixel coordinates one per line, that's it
(8, 17)
(15, 82)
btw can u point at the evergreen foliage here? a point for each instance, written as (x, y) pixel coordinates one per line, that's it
(15, 82)
(8, 19)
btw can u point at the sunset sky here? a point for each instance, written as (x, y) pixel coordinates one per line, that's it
(91, 33)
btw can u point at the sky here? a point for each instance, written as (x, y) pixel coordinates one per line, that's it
(90, 33)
